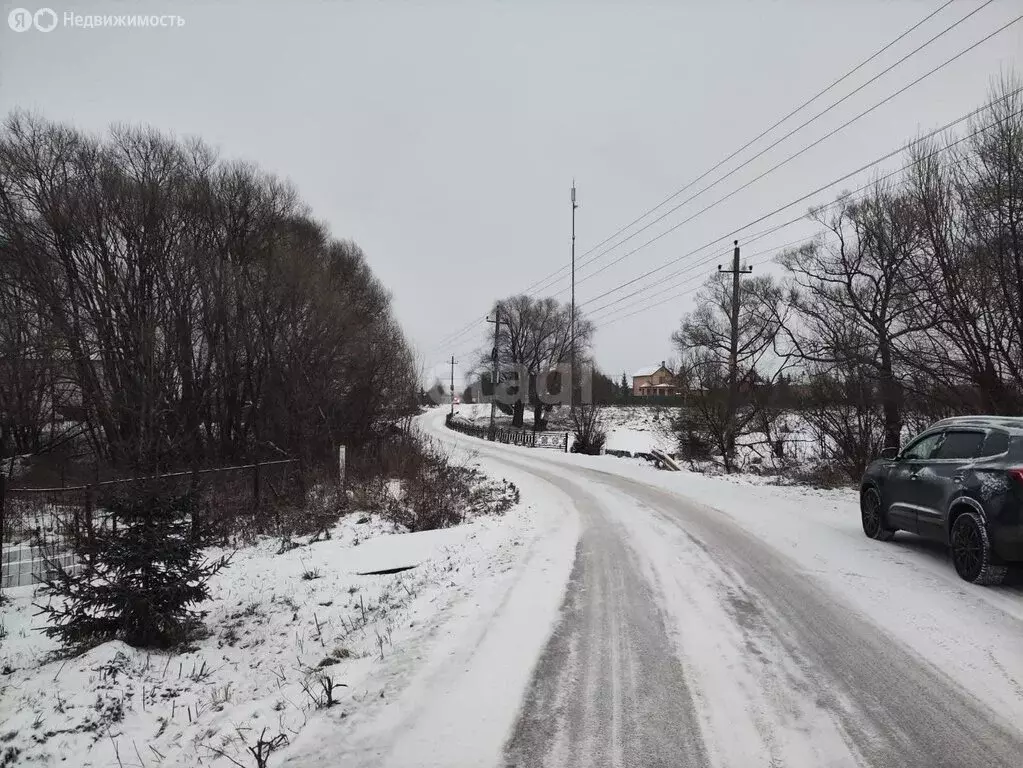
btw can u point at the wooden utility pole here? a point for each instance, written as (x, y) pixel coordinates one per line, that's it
(571, 319)
(733, 353)
(451, 394)
(493, 375)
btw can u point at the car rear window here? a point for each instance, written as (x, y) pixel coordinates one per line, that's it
(996, 443)
(960, 445)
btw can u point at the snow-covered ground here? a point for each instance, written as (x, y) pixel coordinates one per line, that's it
(973, 633)
(804, 642)
(279, 623)
(755, 583)
(629, 428)
(638, 429)
(643, 428)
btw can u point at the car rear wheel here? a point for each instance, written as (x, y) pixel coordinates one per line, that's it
(872, 517)
(971, 551)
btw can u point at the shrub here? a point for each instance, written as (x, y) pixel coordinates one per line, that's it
(324, 505)
(588, 427)
(433, 493)
(694, 446)
(820, 475)
(424, 490)
(139, 574)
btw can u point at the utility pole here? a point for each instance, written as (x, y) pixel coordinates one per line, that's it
(493, 376)
(733, 354)
(452, 386)
(571, 320)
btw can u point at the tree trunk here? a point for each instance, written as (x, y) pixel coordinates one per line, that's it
(518, 412)
(538, 420)
(891, 396)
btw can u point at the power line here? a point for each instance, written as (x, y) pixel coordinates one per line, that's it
(602, 322)
(767, 130)
(614, 320)
(477, 343)
(745, 146)
(454, 336)
(802, 216)
(789, 159)
(805, 197)
(800, 127)
(792, 156)
(467, 347)
(690, 269)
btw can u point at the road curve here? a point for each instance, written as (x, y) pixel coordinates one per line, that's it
(683, 640)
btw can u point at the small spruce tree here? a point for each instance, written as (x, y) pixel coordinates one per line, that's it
(138, 574)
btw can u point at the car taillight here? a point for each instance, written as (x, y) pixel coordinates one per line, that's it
(1017, 475)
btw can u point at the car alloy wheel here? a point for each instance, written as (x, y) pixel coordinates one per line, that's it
(971, 551)
(870, 514)
(967, 549)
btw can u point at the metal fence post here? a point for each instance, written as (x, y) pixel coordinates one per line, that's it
(566, 442)
(88, 510)
(195, 503)
(342, 456)
(299, 469)
(255, 486)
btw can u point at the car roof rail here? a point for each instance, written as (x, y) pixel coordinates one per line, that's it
(1003, 421)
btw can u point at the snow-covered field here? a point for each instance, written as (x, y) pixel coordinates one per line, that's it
(641, 429)
(638, 429)
(629, 428)
(281, 626)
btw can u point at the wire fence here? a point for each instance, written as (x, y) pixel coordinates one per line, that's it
(555, 440)
(41, 525)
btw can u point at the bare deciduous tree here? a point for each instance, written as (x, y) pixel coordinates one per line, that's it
(535, 338)
(197, 311)
(856, 297)
(970, 199)
(704, 346)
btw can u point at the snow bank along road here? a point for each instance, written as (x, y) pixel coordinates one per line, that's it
(707, 623)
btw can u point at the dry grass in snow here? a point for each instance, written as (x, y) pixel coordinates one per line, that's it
(292, 636)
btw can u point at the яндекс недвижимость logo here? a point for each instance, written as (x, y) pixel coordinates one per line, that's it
(22, 19)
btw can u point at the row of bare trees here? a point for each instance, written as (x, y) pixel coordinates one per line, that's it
(182, 309)
(534, 346)
(906, 307)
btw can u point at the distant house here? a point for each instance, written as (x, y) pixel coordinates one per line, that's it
(651, 382)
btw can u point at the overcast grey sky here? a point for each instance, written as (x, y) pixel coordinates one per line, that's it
(443, 136)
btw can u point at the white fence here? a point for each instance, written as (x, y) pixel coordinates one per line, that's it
(24, 564)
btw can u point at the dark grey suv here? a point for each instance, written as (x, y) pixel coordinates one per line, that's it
(960, 483)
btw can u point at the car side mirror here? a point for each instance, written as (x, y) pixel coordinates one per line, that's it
(890, 453)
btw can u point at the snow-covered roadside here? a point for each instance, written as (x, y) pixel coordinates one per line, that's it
(465, 683)
(637, 429)
(643, 428)
(629, 428)
(281, 623)
(906, 588)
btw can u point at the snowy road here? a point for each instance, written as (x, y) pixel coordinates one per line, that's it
(690, 636)
(608, 689)
(817, 684)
